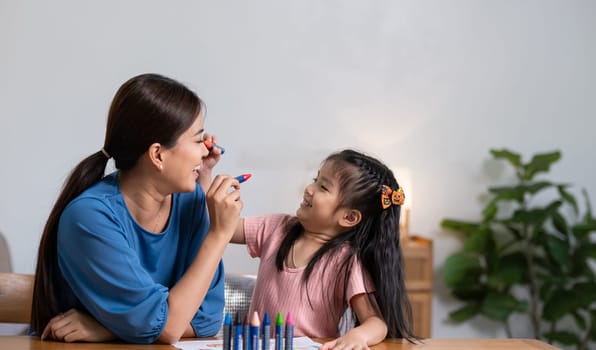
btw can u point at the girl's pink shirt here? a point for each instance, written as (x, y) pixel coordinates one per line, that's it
(283, 291)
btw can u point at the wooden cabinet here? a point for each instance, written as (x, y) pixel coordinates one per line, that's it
(418, 267)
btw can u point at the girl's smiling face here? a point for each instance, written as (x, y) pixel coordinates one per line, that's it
(318, 211)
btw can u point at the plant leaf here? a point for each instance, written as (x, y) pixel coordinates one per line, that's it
(560, 304)
(586, 251)
(540, 163)
(465, 313)
(580, 231)
(593, 329)
(460, 226)
(558, 250)
(546, 290)
(490, 210)
(589, 217)
(569, 198)
(584, 294)
(579, 320)
(515, 193)
(477, 241)
(562, 337)
(536, 187)
(461, 267)
(510, 270)
(498, 306)
(513, 158)
(472, 291)
(560, 223)
(513, 229)
(535, 216)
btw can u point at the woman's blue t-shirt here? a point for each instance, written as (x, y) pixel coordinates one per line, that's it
(121, 274)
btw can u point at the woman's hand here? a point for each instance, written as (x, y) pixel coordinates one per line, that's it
(73, 326)
(214, 154)
(224, 205)
(209, 162)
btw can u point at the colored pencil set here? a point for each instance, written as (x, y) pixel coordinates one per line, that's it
(249, 334)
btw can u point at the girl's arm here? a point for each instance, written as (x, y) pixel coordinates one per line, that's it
(238, 237)
(372, 329)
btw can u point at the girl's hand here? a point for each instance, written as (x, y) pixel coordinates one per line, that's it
(350, 341)
(224, 205)
(372, 329)
(73, 326)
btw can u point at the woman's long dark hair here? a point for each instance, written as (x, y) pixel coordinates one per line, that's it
(375, 240)
(146, 109)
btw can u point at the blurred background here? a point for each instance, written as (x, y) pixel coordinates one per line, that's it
(429, 87)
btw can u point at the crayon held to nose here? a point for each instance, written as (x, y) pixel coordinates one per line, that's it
(210, 146)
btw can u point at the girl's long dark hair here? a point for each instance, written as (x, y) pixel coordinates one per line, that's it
(375, 240)
(147, 108)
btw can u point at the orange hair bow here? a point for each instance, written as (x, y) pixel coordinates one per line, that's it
(389, 196)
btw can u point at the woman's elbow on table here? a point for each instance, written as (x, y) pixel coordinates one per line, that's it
(168, 337)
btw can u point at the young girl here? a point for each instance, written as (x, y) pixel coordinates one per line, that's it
(340, 251)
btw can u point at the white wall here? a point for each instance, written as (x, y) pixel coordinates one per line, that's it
(429, 86)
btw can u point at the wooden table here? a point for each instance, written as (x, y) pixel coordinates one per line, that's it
(33, 343)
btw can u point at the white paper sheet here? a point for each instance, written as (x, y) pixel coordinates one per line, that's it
(300, 343)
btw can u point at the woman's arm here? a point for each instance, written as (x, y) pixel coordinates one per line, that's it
(372, 329)
(188, 294)
(73, 326)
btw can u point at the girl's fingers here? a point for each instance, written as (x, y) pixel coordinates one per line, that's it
(328, 345)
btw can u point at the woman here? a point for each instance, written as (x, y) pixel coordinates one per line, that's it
(136, 255)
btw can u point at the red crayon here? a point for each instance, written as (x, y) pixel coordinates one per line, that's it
(243, 177)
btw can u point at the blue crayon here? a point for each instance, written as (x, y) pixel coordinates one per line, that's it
(279, 329)
(289, 332)
(245, 333)
(266, 332)
(237, 332)
(227, 332)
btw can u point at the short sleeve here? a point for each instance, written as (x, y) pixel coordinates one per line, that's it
(360, 282)
(258, 232)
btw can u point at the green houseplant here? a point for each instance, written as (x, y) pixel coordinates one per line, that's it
(529, 253)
